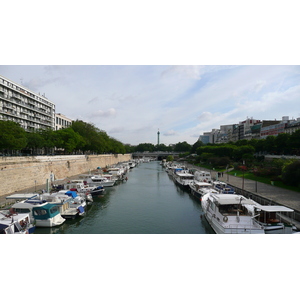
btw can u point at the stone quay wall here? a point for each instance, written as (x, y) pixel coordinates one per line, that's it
(19, 173)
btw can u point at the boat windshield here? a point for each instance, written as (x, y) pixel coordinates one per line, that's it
(233, 209)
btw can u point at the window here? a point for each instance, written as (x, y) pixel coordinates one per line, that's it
(54, 209)
(22, 210)
(39, 212)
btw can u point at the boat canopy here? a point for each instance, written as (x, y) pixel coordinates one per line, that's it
(274, 208)
(227, 199)
(202, 183)
(185, 175)
(45, 212)
(22, 196)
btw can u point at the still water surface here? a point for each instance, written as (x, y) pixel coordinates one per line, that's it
(149, 202)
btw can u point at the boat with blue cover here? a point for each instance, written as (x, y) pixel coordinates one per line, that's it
(70, 204)
(223, 188)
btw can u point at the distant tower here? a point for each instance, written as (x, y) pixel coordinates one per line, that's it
(158, 133)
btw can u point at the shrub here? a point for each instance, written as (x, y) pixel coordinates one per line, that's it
(291, 174)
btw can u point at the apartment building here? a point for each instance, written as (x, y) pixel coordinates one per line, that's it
(31, 110)
(293, 126)
(250, 129)
(61, 121)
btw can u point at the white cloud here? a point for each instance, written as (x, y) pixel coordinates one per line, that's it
(205, 116)
(104, 114)
(191, 72)
(170, 133)
(182, 101)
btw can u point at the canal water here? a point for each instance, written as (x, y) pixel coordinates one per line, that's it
(148, 203)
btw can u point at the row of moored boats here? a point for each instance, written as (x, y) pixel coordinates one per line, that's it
(228, 212)
(65, 201)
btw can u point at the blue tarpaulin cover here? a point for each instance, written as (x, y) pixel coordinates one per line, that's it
(81, 209)
(73, 194)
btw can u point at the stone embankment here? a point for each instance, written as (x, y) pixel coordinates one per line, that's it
(19, 173)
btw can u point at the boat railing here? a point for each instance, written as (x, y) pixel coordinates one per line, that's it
(246, 226)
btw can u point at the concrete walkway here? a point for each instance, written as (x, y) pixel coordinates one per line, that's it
(279, 195)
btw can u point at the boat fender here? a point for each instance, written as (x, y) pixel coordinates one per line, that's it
(225, 219)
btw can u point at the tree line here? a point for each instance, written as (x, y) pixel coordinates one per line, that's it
(82, 137)
(79, 138)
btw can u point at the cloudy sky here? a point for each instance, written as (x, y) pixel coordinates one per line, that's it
(131, 103)
(131, 68)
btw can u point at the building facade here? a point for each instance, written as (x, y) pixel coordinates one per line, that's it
(293, 126)
(250, 129)
(31, 110)
(61, 121)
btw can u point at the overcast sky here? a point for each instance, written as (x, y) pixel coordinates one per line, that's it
(131, 103)
(132, 67)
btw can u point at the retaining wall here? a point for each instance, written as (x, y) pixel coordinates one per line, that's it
(18, 173)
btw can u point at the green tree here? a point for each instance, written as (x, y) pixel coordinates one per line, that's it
(12, 136)
(68, 139)
(291, 174)
(281, 143)
(182, 147)
(196, 146)
(50, 140)
(95, 140)
(170, 158)
(35, 141)
(294, 143)
(270, 144)
(145, 147)
(241, 151)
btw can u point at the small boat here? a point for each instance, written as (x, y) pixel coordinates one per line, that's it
(132, 164)
(77, 201)
(183, 178)
(13, 223)
(118, 173)
(199, 188)
(81, 188)
(67, 208)
(78, 185)
(97, 180)
(231, 214)
(99, 190)
(44, 215)
(202, 176)
(223, 188)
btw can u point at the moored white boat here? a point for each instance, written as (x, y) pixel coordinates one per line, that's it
(223, 187)
(97, 180)
(77, 201)
(44, 215)
(13, 223)
(64, 202)
(202, 176)
(231, 214)
(199, 188)
(183, 177)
